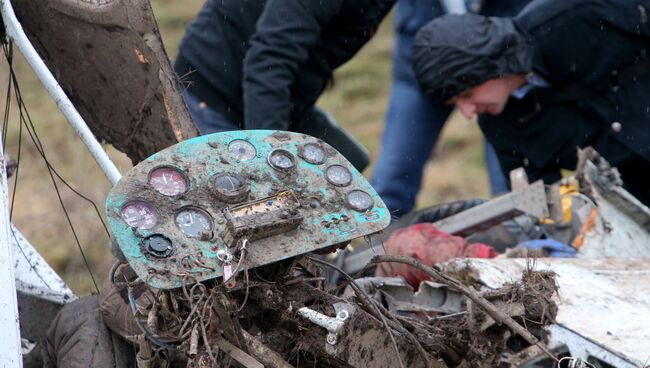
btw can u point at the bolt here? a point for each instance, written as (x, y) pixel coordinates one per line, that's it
(331, 339)
(343, 315)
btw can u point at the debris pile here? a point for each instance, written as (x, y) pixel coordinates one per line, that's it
(281, 315)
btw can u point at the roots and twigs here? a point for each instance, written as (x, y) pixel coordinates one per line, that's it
(494, 321)
(257, 323)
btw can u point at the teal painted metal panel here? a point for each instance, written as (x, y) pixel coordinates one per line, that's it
(327, 218)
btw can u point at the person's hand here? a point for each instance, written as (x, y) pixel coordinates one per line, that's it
(553, 247)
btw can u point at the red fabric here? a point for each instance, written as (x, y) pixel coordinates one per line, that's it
(430, 246)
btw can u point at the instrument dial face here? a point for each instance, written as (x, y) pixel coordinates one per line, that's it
(193, 222)
(360, 200)
(313, 153)
(338, 175)
(168, 181)
(281, 159)
(139, 214)
(229, 183)
(242, 150)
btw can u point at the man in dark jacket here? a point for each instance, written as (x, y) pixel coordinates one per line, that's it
(562, 74)
(262, 64)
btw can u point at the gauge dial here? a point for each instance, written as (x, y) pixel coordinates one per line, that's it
(242, 150)
(139, 214)
(229, 187)
(168, 181)
(281, 159)
(360, 200)
(313, 153)
(193, 222)
(229, 183)
(338, 175)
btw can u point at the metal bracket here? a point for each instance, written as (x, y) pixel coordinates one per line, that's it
(333, 325)
(530, 200)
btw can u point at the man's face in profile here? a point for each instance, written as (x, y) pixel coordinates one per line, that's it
(490, 97)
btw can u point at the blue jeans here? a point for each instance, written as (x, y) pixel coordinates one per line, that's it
(206, 118)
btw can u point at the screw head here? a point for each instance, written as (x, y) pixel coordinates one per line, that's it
(343, 315)
(331, 339)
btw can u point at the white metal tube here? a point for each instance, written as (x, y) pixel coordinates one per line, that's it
(331, 324)
(16, 33)
(9, 322)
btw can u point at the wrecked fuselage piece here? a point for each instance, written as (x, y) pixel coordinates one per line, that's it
(227, 276)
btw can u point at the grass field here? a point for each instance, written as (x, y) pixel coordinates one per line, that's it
(358, 100)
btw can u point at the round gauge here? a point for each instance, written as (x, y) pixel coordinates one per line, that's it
(360, 200)
(281, 159)
(338, 175)
(242, 150)
(168, 181)
(139, 214)
(158, 246)
(229, 183)
(193, 222)
(313, 153)
(229, 187)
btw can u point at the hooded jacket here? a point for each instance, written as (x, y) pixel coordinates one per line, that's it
(264, 63)
(587, 44)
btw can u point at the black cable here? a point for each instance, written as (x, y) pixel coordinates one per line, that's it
(25, 118)
(8, 51)
(13, 195)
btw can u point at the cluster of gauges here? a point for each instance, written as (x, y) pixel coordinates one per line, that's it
(232, 187)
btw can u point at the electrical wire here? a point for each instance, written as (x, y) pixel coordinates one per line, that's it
(26, 121)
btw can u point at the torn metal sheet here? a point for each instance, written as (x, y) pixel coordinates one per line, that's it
(616, 225)
(400, 297)
(41, 292)
(530, 200)
(605, 301)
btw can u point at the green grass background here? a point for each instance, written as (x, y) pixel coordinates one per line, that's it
(357, 100)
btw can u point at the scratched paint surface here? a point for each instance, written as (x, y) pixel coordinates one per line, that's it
(327, 217)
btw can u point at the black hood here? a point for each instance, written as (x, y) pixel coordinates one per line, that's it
(453, 53)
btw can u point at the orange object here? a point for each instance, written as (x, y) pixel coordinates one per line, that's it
(586, 228)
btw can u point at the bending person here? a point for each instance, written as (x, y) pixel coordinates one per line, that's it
(262, 64)
(413, 122)
(562, 74)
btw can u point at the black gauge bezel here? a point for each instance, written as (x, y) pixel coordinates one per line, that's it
(178, 170)
(243, 140)
(153, 208)
(359, 209)
(301, 153)
(284, 151)
(211, 220)
(338, 184)
(145, 250)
